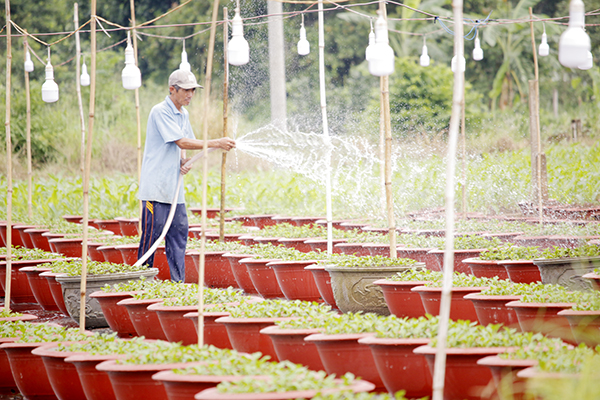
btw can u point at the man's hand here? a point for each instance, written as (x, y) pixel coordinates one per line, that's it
(225, 143)
(184, 170)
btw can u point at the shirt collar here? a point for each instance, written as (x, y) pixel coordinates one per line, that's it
(172, 105)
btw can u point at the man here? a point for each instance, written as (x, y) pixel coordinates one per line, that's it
(168, 135)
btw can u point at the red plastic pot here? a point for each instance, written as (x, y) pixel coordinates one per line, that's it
(486, 268)
(40, 287)
(263, 277)
(296, 243)
(244, 334)
(464, 379)
(129, 253)
(321, 244)
(145, 322)
(109, 225)
(20, 289)
(295, 281)
(214, 332)
(184, 387)
(15, 237)
(260, 221)
(299, 221)
(544, 318)
(63, 376)
(174, 325)
(56, 291)
(343, 353)
(240, 272)
(419, 254)
(323, 282)
(504, 372)
(357, 249)
(217, 270)
(128, 226)
(290, 345)
(39, 241)
(29, 371)
(111, 254)
(93, 253)
(210, 212)
(585, 325)
(69, 247)
(378, 249)
(493, 310)
(25, 238)
(394, 355)
(8, 387)
(116, 316)
(213, 393)
(96, 384)
(74, 219)
(400, 299)
(460, 308)
(134, 382)
(459, 256)
(521, 271)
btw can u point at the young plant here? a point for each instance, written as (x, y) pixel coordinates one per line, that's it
(587, 301)
(211, 296)
(471, 242)
(507, 288)
(22, 253)
(586, 250)
(132, 286)
(509, 252)
(465, 280)
(176, 353)
(417, 275)
(351, 261)
(549, 293)
(106, 344)
(407, 328)
(273, 309)
(72, 267)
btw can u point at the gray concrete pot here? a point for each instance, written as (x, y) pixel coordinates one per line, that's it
(71, 288)
(568, 272)
(354, 290)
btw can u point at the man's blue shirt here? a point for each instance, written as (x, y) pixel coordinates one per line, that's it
(161, 163)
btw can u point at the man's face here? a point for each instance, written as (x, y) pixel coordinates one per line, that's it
(182, 97)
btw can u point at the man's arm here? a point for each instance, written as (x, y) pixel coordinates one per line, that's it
(195, 144)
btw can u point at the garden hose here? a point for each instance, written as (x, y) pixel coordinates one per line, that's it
(171, 211)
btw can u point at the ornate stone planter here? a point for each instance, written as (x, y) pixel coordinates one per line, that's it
(71, 293)
(354, 290)
(568, 272)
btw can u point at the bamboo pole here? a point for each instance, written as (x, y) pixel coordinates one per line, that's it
(439, 371)
(78, 85)
(325, 129)
(385, 100)
(88, 163)
(225, 116)
(536, 116)
(137, 111)
(382, 197)
(28, 137)
(207, 82)
(463, 145)
(9, 184)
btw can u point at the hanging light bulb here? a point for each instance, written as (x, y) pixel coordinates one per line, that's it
(381, 62)
(84, 79)
(424, 60)
(544, 49)
(49, 88)
(462, 63)
(184, 65)
(303, 44)
(28, 65)
(131, 75)
(589, 63)
(369, 49)
(477, 51)
(238, 51)
(574, 43)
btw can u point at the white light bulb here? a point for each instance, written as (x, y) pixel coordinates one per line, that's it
(381, 62)
(544, 49)
(477, 51)
(369, 49)
(131, 75)
(28, 65)
(589, 63)
(184, 65)
(574, 43)
(49, 88)
(424, 60)
(238, 51)
(84, 79)
(303, 44)
(462, 63)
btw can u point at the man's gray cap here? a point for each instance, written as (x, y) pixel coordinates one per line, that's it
(183, 79)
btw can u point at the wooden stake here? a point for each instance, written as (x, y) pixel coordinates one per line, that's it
(78, 85)
(9, 184)
(225, 115)
(137, 111)
(88, 164)
(536, 116)
(323, 97)
(385, 102)
(463, 140)
(28, 137)
(207, 82)
(439, 371)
